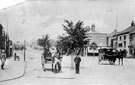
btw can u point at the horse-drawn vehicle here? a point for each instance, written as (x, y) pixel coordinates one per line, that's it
(54, 57)
(111, 55)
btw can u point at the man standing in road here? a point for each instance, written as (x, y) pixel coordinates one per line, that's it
(77, 61)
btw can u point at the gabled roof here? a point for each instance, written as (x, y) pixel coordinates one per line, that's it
(127, 30)
(115, 32)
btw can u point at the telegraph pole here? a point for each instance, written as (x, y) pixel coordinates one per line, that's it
(24, 48)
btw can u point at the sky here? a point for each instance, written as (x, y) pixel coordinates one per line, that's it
(8, 3)
(34, 18)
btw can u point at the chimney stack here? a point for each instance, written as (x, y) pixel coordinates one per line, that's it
(133, 23)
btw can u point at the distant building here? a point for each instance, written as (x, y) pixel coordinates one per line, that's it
(111, 40)
(1, 28)
(94, 36)
(2, 40)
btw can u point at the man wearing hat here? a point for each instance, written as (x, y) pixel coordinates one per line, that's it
(77, 61)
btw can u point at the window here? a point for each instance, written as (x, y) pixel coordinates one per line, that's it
(125, 37)
(124, 44)
(120, 37)
(120, 44)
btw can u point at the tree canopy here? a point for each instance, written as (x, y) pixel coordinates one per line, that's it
(75, 36)
(44, 41)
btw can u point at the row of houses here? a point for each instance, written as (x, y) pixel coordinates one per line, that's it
(123, 40)
(5, 42)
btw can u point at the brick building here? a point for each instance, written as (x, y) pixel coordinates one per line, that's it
(94, 36)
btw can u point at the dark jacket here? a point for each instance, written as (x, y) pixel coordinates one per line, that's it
(77, 60)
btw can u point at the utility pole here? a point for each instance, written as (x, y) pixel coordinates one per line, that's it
(116, 21)
(24, 48)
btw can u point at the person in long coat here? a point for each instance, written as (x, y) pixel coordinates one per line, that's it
(2, 59)
(77, 61)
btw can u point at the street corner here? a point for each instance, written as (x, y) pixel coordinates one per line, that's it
(12, 70)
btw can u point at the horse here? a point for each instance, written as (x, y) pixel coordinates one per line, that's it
(119, 55)
(55, 60)
(56, 63)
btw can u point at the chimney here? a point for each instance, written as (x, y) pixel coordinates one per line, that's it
(133, 23)
(93, 27)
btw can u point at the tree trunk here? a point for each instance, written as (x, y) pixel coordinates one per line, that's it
(73, 54)
(72, 62)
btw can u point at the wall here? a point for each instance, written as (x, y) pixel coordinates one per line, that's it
(99, 38)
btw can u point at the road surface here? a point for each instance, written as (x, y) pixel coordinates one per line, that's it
(91, 72)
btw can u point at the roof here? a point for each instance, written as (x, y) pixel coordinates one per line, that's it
(91, 30)
(127, 30)
(133, 32)
(113, 33)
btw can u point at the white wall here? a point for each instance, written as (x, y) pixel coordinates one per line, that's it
(122, 41)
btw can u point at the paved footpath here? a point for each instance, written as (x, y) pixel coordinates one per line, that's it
(12, 69)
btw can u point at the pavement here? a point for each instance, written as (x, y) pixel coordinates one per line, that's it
(12, 69)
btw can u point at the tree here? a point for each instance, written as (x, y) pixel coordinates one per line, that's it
(75, 38)
(45, 43)
(76, 34)
(63, 43)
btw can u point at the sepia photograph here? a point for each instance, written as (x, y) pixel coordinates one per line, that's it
(67, 42)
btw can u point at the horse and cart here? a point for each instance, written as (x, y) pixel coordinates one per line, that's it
(53, 56)
(111, 55)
